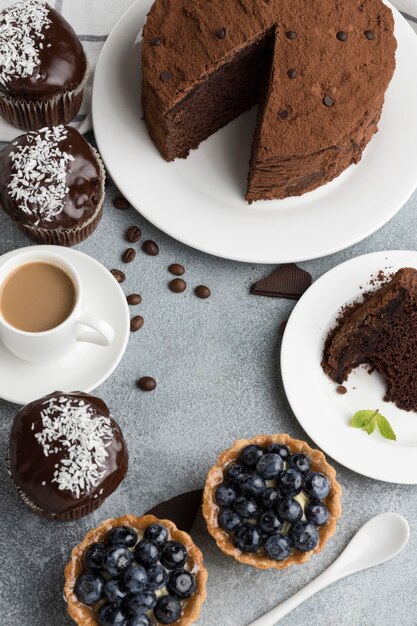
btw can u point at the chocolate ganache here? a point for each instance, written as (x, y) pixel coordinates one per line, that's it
(40, 54)
(66, 451)
(50, 178)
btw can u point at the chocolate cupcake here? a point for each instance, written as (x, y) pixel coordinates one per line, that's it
(66, 455)
(43, 67)
(52, 185)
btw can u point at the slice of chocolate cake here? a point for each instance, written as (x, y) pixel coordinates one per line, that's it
(380, 332)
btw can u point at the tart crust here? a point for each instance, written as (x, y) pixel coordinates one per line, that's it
(216, 476)
(84, 615)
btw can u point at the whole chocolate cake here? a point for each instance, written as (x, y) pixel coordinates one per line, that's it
(380, 332)
(66, 455)
(52, 185)
(319, 71)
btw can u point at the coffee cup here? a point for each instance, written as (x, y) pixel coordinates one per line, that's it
(21, 327)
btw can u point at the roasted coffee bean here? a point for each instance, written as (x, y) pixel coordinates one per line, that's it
(178, 285)
(150, 247)
(136, 323)
(121, 203)
(146, 383)
(202, 292)
(133, 234)
(176, 269)
(134, 299)
(119, 275)
(128, 255)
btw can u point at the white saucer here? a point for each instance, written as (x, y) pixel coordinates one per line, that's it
(88, 365)
(322, 412)
(199, 201)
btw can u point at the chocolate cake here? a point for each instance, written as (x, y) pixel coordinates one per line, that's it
(66, 455)
(318, 70)
(380, 332)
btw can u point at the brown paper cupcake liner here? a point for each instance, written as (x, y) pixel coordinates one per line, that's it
(69, 236)
(34, 114)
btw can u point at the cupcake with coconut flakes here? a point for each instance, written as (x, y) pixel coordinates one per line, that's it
(43, 67)
(66, 455)
(52, 185)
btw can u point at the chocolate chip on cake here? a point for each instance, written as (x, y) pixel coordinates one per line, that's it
(341, 35)
(202, 292)
(328, 101)
(155, 41)
(369, 34)
(128, 255)
(150, 247)
(292, 74)
(119, 275)
(121, 203)
(134, 299)
(176, 269)
(291, 34)
(133, 234)
(221, 33)
(136, 323)
(165, 76)
(178, 285)
(146, 383)
(283, 114)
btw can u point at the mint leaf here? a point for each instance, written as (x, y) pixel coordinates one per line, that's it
(385, 428)
(362, 418)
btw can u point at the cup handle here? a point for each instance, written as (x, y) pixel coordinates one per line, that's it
(101, 333)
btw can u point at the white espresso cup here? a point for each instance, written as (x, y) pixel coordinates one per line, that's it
(49, 345)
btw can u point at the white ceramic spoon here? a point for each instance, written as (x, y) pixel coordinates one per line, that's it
(379, 540)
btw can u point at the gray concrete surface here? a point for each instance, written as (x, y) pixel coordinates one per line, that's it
(217, 367)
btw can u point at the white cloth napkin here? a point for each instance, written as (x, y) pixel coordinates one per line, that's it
(94, 19)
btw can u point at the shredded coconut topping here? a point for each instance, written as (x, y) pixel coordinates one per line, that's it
(39, 173)
(22, 29)
(71, 425)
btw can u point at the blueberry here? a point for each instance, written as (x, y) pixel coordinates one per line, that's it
(89, 588)
(290, 482)
(278, 547)
(146, 553)
(269, 466)
(173, 555)
(114, 590)
(122, 535)
(247, 539)
(252, 485)
(317, 513)
(316, 485)
(246, 507)
(139, 620)
(289, 510)
(135, 579)
(157, 533)
(181, 583)
(225, 494)
(300, 462)
(93, 556)
(250, 455)
(229, 519)
(269, 498)
(116, 560)
(279, 448)
(235, 472)
(141, 602)
(157, 577)
(168, 609)
(269, 522)
(111, 615)
(305, 536)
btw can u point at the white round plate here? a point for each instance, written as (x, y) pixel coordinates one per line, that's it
(88, 365)
(322, 412)
(200, 200)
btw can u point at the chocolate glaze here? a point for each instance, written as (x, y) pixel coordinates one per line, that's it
(83, 180)
(29, 466)
(62, 66)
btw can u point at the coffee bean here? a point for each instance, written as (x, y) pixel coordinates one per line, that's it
(292, 74)
(136, 323)
(220, 33)
(146, 383)
(133, 234)
(283, 114)
(341, 35)
(328, 101)
(128, 255)
(119, 275)
(176, 269)
(150, 247)
(178, 285)
(290, 34)
(165, 76)
(121, 203)
(134, 299)
(155, 41)
(341, 389)
(369, 34)
(202, 292)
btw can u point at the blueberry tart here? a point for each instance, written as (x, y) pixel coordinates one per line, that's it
(135, 571)
(271, 501)
(66, 455)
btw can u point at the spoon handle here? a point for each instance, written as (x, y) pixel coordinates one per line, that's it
(270, 618)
